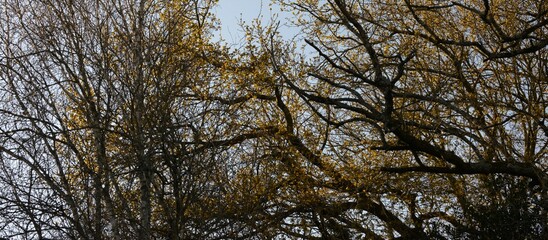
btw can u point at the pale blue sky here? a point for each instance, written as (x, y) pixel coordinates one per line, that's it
(230, 12)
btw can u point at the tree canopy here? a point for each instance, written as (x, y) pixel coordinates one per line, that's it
(411, 119)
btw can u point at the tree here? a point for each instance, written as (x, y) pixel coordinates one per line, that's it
(106, 134)
(411, 120)
(425, 120)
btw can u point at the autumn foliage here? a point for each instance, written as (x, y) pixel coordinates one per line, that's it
(396, 120)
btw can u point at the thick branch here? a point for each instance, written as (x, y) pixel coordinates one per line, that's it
(525, 170)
